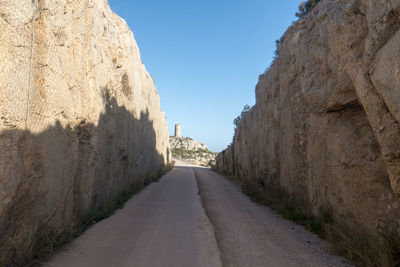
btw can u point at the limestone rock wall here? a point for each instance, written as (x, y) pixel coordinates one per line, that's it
(80, 118)
(325, 126)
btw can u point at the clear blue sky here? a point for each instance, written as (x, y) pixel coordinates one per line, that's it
(205, 56)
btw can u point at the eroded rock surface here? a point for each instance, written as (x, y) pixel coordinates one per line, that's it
(186, 143)
(80, 119)
(191, 151)
(325, 127)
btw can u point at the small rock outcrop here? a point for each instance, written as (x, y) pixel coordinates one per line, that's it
(326, 126)
(187, 149)
(80, 120)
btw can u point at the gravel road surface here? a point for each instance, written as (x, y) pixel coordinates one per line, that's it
(252, 235)
(194, 217)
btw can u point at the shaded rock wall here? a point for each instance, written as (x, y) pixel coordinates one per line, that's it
(80, 118)
(325, 126)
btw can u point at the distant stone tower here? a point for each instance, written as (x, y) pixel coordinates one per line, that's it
(177, 130)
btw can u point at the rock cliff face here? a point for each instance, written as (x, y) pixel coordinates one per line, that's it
(80, 119)
(187, 149)
(186, 143)
(325, 126)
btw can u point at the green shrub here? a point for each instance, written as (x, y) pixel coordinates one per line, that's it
(236, 121)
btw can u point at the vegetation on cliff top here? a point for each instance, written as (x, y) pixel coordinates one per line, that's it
(236, 121)
(306, 7)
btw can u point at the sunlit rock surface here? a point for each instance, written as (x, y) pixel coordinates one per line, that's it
(80, 119)
(325, 127)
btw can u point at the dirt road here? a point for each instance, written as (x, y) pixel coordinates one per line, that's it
(166, 225)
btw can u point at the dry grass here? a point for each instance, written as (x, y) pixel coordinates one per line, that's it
(363, 247)
(117, 202)
(282, 204)
(45, 241)
(351, 241)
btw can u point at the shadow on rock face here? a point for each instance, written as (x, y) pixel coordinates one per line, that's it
(51, 180)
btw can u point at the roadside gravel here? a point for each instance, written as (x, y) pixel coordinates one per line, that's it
(249, 234)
